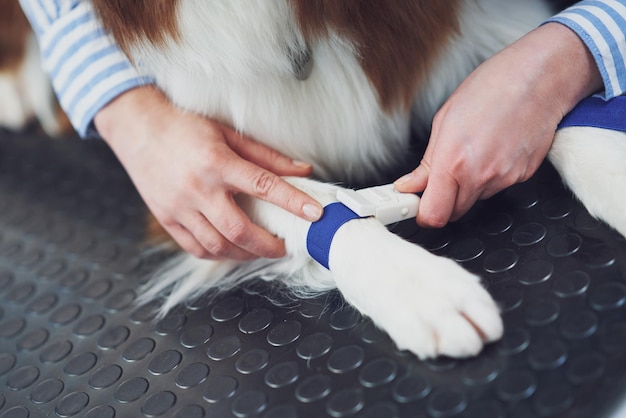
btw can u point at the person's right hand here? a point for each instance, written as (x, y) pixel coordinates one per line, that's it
(188, 168)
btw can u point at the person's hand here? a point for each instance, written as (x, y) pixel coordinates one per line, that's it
(187, 168)
(497, 127)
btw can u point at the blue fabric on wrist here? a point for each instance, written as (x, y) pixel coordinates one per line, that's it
(321, 233)
(598, 113)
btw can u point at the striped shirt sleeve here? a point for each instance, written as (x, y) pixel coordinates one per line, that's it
(601, 24)
(86, 67)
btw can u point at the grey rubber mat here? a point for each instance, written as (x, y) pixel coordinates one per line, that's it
(74, 343)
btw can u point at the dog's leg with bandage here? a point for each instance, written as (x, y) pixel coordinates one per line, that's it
(428, 304)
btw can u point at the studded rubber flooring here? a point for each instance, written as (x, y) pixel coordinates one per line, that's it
(74, 343)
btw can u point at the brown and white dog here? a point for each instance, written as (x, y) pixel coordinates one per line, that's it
(342, 84)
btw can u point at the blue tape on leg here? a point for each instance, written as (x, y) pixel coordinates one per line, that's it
(321, 233)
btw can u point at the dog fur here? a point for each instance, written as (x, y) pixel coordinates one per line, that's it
(380, 72)
(24, 87)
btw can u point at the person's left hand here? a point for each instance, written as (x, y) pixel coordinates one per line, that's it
(497, 127)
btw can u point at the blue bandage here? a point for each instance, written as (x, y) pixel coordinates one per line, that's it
(598, 113)
(321, 233)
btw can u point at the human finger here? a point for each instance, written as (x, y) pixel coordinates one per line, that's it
(415, 181)
(214, 244)
(266, 157)
(238, 230)
(248, 178)
(187, 241)
(438, 200)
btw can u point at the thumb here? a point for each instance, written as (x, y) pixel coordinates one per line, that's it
(415, 181)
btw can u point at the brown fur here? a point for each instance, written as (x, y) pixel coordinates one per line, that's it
(130, 21)
(14, 30)
(397, 41)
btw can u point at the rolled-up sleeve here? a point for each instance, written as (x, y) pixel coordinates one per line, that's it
(85, 65)
(601, 24)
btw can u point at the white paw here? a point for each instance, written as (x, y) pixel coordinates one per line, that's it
(13, 112)
(441, 311)
(427, 304)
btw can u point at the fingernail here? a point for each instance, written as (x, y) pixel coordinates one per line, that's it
(312, 212)
(299, 163)
(404, 179)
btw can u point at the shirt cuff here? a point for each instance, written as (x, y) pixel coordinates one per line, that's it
(86, 67)
(601, 25)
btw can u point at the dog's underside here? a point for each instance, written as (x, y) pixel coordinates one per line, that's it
(345, 85)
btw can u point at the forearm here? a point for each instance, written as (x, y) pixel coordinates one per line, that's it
(86, 67)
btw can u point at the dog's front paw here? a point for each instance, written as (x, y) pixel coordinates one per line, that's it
(427, 304)
(438, 310)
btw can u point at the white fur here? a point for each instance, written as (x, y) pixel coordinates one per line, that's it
(592, 163)
(27, 94)
(231, 63)
(12, 112)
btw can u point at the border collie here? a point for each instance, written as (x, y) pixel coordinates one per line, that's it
(344, 85)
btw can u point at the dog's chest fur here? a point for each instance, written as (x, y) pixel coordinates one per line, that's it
(322, 81)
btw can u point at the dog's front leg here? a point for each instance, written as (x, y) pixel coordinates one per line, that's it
(26, 94)
(592, 163)
(428, 304)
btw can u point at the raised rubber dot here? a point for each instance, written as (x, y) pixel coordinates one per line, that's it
(192, 375)
(314, 388)
(72, 404)
(282, 374)
(158, 404)
(447, 403)
(131, 390)
(346, 402)
(249, 404)
(105, 377)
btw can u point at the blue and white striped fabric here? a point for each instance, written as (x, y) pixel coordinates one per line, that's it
(86, 67)
(601, 24)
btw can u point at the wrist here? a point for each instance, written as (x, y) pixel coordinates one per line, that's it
(124, 117)
(562, 68)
